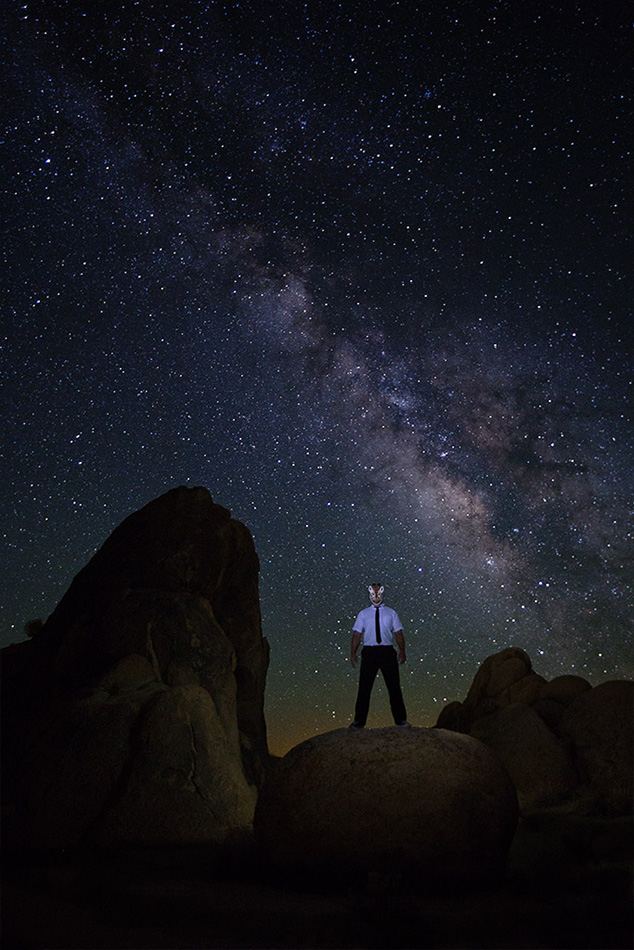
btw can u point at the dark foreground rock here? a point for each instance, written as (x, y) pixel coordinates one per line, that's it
(561, 740)
(136, 713)
(541, 768)
(561, 892)
(422, 801)
(599, 727)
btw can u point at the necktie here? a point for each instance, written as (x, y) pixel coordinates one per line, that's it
(377, 625)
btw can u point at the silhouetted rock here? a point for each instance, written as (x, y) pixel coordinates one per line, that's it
(554, 697)
(504, 678)
(550, 711)
(389, 800)
(563, 689)
(136, 713)
(454, 717)
(558, 739)
(542, 771)
(600, 726)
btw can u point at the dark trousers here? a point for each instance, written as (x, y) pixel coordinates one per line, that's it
(374, 659)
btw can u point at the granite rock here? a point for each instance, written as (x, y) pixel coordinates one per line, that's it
(599, 726)
(542, 770)
(562, 741)
(136, 712)
(435, 803)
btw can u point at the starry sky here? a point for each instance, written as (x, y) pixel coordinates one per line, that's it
(360, 269)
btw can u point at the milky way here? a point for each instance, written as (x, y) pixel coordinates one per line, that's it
(362, 273)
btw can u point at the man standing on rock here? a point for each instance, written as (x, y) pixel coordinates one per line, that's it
(378, 626)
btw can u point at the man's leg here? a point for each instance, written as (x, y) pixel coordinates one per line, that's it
(367, 675)
(389, 668)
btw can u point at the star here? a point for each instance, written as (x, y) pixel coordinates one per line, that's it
(363, 277)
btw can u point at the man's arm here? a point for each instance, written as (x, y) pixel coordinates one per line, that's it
(400, 639)
(354, 646)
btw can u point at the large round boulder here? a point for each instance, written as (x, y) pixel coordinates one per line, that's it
(432, 802)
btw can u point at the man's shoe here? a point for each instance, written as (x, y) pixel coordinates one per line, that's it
(355, 725)
(404, 725)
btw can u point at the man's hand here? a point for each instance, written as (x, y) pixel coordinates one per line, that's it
(353, 659)
(401, 656)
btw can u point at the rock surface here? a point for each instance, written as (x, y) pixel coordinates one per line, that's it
(136, 712)
(559, 740)
(503, 678)
(390, 799)
(600, 727)
(542, 770)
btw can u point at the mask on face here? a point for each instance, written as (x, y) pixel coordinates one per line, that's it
(376, 593)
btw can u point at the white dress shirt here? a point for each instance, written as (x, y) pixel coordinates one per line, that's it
(388, 620)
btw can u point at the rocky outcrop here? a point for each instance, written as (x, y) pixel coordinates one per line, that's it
(504, 678)
(559, 740)
(136, 712)
(387, 800)
(598, 725)
(541, 768)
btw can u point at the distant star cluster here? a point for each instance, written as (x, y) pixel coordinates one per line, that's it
(364, 271)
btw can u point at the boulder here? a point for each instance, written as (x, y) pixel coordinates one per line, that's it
(76, 758)
(501, 671)
(427, 801)
(184, 783)
(562, 741)
(453, 716)
(554, 697)
(599, 725)
(137, 711)
(541, 769)
(136, 763)
(563, 689)
(499, 681)
(179, 563)
(525, 690)
(551, 712)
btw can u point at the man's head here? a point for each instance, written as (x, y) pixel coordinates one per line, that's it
(376, 593)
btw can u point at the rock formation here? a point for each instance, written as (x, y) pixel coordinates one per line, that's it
(598, 725)
(559, 740)
(391, 800)
(136, 712)
(541, 768)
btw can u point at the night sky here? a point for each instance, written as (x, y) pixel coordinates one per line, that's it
(360, 269)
